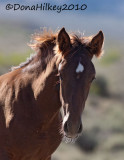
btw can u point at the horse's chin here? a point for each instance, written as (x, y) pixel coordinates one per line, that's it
(69, 139)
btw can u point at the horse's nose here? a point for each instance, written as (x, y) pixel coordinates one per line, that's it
(72, 130)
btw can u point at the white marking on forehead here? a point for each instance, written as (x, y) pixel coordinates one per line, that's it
(80, 68)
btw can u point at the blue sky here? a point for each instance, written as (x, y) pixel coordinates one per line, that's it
(111, 7)
(106, 15)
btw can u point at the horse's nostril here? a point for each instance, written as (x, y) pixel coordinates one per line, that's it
(66, 127)
(72, 129)
(80, 129)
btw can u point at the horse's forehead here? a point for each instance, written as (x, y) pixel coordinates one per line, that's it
(78, 62)
(83, 62)
(80, 59)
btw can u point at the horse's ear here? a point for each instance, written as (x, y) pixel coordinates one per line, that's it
(63, 40)
(96, 44)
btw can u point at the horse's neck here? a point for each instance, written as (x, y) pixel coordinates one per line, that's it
(46, 91)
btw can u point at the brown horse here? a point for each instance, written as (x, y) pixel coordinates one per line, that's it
(31, 95)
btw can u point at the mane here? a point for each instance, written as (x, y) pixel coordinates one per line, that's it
(39, 41)
(48, 36)
(42, 42)
(45, 37)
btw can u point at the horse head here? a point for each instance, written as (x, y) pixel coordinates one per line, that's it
(76, 73)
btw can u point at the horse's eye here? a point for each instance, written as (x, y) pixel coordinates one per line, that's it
(93, 79)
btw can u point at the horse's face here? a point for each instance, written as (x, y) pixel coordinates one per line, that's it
(76, 75)
(76, 72)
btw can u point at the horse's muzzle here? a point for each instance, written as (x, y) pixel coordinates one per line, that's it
(72, 130)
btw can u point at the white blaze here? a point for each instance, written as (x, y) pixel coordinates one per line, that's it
(60, 65)
(80, 68)
(65, 118)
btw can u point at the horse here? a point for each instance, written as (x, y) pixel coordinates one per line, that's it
(57, 77)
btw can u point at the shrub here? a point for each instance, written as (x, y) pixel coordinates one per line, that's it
(100, 87)
(87, 142)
